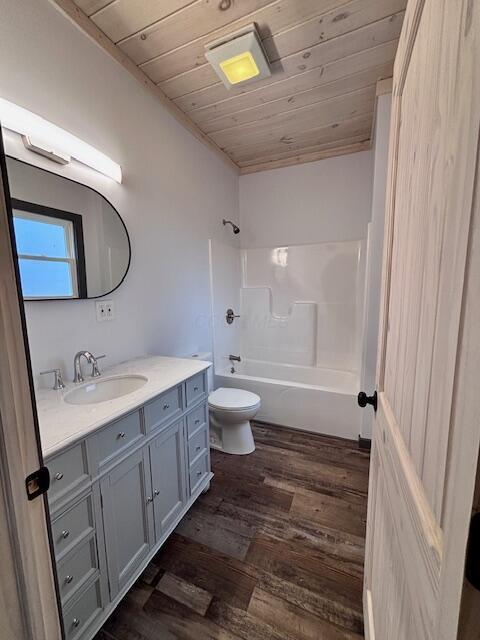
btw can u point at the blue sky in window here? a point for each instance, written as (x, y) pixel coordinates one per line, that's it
(39, 278)
(40, 238)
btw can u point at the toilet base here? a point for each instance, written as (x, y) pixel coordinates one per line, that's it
(236, 439)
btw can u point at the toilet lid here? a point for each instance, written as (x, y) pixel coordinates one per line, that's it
(224, 398)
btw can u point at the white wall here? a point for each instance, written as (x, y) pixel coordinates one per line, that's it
(323, 201)
(174, 196)
(374, 256)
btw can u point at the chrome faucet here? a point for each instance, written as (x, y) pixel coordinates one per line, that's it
(77, 366)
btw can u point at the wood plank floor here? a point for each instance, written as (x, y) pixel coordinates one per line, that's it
(273, 551)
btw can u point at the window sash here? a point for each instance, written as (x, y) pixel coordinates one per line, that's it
(73, 273)
(52, 221)
(71, 259)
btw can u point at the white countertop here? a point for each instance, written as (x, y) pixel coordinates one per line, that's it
(62, 424)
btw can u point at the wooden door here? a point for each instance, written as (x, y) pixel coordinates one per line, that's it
(167, 460)
(427, 426)
(28, 602)
(127, 506)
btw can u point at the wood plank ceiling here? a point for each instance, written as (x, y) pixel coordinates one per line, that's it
(326, 57)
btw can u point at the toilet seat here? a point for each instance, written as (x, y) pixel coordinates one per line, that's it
(233, 399)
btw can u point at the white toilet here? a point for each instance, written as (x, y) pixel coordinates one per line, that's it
(230, 413)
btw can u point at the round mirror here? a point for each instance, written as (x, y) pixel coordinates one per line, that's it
(71, 242)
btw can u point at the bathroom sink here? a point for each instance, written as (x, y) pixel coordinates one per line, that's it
(105, 389)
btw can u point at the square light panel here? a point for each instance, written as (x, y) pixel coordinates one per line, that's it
(240, 59)
(240, 68)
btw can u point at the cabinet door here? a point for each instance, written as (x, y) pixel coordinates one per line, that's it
(167, 459)
(127, 514)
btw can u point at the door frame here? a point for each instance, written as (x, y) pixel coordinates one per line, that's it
(464, 440)
(28, 597)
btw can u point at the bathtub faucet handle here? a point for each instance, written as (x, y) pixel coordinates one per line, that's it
(234, 358)
(230, 316)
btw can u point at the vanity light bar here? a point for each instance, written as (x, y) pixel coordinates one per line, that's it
(29, 124)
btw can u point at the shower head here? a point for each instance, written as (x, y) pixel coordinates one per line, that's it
(234, 226)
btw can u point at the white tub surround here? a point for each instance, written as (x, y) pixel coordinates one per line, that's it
(302, 305)
(124, 472)
(298, 334)
(62, 424)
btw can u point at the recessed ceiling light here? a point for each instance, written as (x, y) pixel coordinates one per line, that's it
(240, 58)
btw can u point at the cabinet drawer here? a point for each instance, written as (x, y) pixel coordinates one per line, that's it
(198, 471)
(195, 388)
(166, 406)
(72, 525)
(198, 445)
(76, 568)
(68, 471)
(117, 437)
(196, 419)
(82, 611)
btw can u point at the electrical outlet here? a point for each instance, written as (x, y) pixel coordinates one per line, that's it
(105, 310)
(101, 311)
(110, 310)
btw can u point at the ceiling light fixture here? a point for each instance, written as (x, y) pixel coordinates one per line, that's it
(48, 136)
(239, 58)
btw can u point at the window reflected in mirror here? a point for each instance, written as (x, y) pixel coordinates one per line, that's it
(50, 252)
(71, 242)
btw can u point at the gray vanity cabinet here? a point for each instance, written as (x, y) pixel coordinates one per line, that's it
(167, 462)
(118, 493)
(127, 517)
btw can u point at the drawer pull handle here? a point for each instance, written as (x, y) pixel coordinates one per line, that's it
(68, 579)
(166, 406)
(156, 493)
(195, 388)
(199, 473)
(121, 434)
(58, 475)
(197, 421)
(198, 448)
(65, 534)
(149, 499)
(76, 622)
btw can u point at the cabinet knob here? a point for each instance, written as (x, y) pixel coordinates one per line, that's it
(156, 493)
(76, 622)
(121, 434)
(197, 421)
(199, 473)
(58, 475)
(195, 388)
(166, 406)
(198, 448)
(149, 499)
(65, 534)
(68, 579)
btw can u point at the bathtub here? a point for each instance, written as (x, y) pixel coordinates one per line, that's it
(309, 398)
